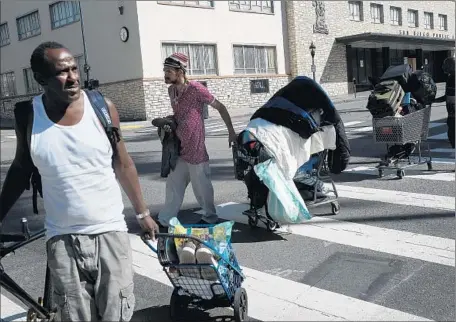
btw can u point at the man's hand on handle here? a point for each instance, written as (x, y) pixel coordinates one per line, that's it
(149, 226)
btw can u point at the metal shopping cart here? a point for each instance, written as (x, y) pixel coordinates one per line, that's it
(410, 129)
(191, 287)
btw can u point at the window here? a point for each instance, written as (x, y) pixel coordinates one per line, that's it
(28, 25)
(255, 6)
(443, 23)
(428, 20)
(190, 3)
(201, 57)
(80, 63)
(413, 18)
(355, 9)
(376, 13)
(254, 60)
(31, 86)
(64, 13)
(4, 35)
(396, 16)
(7, 84)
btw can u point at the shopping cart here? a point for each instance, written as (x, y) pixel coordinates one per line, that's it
(224, 289)
(318, 176)
(408, 129)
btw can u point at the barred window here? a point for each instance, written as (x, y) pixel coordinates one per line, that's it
(64, 13)
(354, 8)
(202, 58)
(396, 16)
(428, 20)
(28, 25)
(256, 6)
(4, 34)
(254, 60)
(376, 13)
(413, 18)
(31, 86)
(443, 23)
(7, 84)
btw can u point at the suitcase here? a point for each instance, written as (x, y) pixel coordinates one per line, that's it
(386, 99)
(400, 73)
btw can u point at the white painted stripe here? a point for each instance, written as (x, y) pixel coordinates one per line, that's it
(10, 311)
(225, 129)
(443, 160)
(427, 175)
(435, 124)
(401, 243)
(397, 197)
(443, 150)
(273, 298)
(351, 123)
(441, 136)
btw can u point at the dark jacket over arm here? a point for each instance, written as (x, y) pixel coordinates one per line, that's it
(19, 174)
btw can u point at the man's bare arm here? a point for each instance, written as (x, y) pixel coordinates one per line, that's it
(125, 168)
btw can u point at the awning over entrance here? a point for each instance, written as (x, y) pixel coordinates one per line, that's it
(432, 41)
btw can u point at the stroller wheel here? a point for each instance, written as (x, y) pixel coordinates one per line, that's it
(335, 208)
(253, 222)
(271, 225)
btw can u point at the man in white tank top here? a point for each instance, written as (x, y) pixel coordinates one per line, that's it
(88, 247)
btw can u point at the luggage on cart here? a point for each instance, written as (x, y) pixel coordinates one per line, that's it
(422, 87)
(386, 99)
(400, 73)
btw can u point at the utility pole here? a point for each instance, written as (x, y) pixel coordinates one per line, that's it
(86, 64)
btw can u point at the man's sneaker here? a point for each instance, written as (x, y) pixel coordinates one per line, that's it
(204, 256)
(187, 256)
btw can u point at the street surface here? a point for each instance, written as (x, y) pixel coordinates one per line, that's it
(388, 255)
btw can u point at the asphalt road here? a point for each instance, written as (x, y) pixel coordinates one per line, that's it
(388, 254)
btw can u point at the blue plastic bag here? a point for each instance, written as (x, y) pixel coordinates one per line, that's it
(285, 204)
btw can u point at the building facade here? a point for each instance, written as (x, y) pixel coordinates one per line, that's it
(126, 48)
(243, 51)
(358, 40)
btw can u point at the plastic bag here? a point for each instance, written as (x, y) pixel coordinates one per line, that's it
(285, 204)
(217, 236)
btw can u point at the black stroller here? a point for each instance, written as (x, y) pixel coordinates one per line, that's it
(249, 151)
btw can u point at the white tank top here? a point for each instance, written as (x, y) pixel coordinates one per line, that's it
(80, 191)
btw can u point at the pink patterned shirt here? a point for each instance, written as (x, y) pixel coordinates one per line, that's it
(188, 112)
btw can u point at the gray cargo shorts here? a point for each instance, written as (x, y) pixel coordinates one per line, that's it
(93, 276)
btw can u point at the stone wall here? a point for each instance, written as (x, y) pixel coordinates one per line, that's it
(234, 92)
(139, 100)
(330, 57)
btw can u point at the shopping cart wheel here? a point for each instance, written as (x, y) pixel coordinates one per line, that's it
(253, 222)
(335, 208)
(177, 306)
(429, 164)
(400, 173)
(240, 305)
(380, 173)
(271, 225)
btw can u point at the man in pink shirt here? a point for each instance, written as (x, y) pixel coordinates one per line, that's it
(187, 100)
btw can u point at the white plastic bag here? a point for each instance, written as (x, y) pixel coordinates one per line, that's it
(285, 204)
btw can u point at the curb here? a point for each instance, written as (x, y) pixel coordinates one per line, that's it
(132, 127)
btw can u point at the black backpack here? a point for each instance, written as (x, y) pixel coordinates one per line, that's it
(102, 111)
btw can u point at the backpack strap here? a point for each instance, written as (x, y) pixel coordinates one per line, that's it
(102, 111)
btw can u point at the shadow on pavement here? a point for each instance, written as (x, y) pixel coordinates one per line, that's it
(161, 314)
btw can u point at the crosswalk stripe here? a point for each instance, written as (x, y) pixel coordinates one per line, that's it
(441, 136)
(216, 125)
(351, 123)
(10, 311)
(361, 129)
(273, 298)
(428, 175)
(435, 124)
(397, 197)
(442, 150)
(400, 243)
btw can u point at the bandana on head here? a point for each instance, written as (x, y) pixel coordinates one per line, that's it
(177, 60)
